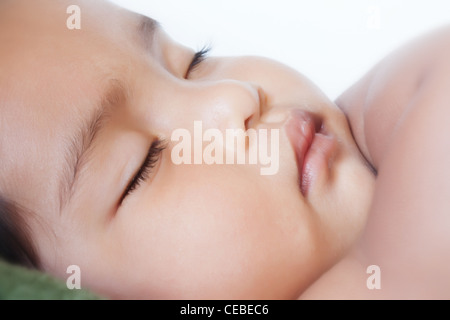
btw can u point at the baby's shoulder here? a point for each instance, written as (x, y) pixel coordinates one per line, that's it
(405, 125)
(376, 104)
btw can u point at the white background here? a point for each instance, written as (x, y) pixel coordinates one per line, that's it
(333, 42)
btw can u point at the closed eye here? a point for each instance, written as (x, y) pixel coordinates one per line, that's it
(198, 58)
(143, 174)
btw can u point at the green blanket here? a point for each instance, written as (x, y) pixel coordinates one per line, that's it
(18, 283)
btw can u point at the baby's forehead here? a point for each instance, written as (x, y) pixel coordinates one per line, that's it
(24, 18)
(55, 77)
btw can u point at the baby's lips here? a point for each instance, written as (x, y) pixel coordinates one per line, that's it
(301, 130)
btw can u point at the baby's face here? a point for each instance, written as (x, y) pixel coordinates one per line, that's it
(179, 230)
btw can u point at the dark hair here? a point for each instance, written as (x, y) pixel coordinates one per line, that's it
(15, 243)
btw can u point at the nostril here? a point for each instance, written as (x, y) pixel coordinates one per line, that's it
(262, 100)
(259, 107)
(248, 122)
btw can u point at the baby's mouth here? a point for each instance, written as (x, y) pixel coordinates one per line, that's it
(306, 130)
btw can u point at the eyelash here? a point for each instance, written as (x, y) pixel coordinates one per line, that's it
(159, 146)
(145, 170)
(198, 58)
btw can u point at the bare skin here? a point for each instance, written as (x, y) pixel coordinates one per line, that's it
(187, 231)
(399, 116)
(202, 232)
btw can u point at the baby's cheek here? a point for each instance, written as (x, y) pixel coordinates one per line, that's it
(212, 224)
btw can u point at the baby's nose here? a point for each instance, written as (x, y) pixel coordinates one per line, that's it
(228, 104)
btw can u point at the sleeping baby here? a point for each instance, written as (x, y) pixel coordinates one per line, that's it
(165, 173)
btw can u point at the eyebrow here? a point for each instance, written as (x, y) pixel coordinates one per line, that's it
(81, 144)
(146, 30)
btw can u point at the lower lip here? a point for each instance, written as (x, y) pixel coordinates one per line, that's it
(314, 148)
